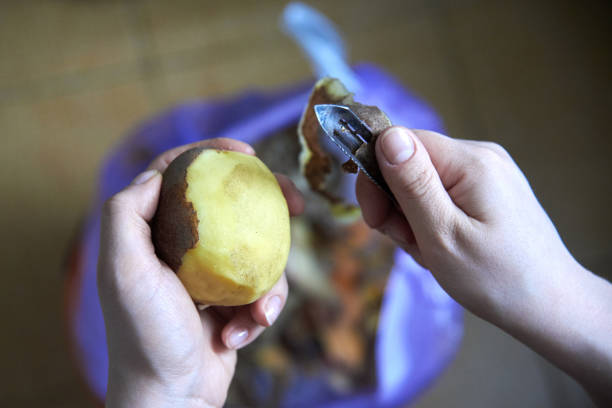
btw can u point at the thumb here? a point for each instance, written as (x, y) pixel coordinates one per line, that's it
(125, 233)
(415, 183)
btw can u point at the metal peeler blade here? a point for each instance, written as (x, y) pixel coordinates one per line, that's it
(350, 134)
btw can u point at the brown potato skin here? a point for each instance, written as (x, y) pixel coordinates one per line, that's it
(319, 165)
(174, 227)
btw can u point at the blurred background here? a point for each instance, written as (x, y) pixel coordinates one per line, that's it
(76, 76)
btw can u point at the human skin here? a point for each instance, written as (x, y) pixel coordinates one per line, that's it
(163, 351)
(467, 213)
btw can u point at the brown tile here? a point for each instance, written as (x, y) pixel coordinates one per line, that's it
(531, 76)
(539, 76)
(49, 39)
(405, 42)
(534, 78)
(228, 78)
(52, 150)
(55, 137)
(190, 24)
(232, 66)
(208, 49)
(243, 48)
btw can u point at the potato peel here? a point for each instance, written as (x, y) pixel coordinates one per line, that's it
(315, 162)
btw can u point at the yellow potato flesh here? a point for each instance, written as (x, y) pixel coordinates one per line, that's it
(243, 229)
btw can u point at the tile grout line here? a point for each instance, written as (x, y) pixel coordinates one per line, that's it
(101, 77)
(97, 78)
(149, 60)
(146, 66)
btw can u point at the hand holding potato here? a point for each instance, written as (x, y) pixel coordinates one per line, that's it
(162, 350)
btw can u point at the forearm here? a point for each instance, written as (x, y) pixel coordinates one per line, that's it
(569, 322)
(137, 391)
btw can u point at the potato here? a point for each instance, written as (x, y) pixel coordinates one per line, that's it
(222, 224)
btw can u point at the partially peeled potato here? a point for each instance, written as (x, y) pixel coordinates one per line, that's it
(222, 224)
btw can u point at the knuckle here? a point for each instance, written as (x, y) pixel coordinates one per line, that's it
(160, 162)
(444, 235)
(419, 184)
(114, 206)
(487, 159)
(499, 149)
(448, 239)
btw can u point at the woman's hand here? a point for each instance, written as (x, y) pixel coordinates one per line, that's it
(163, 351)
(467, 213)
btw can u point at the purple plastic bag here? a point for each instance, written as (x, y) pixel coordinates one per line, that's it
(420, 326)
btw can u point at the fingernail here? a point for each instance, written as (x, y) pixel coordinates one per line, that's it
(272, 309)
(237, 338)
(397, 145)
(143, 177)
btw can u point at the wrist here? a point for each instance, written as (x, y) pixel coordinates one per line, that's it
(566, 320)
(137, 390)
(545, 303)
(536, 298)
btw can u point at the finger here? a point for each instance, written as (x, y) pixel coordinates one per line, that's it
(162, 161)
(266, 309)
(397, 228)
(213, 324)
(249, 321)
(225, 312)
(449, 156)
(455, 158)
(494, 147)
(125, 216)
(408, 169)
(125, 234)
(241, 329)
(469, 170)
(379, 213)
(295, 200)
(375, 206)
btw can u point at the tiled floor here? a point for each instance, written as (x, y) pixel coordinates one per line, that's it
(76, 75)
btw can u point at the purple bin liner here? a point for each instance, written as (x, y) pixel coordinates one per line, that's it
(420, 326)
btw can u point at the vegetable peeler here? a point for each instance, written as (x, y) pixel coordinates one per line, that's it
(354, 138)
